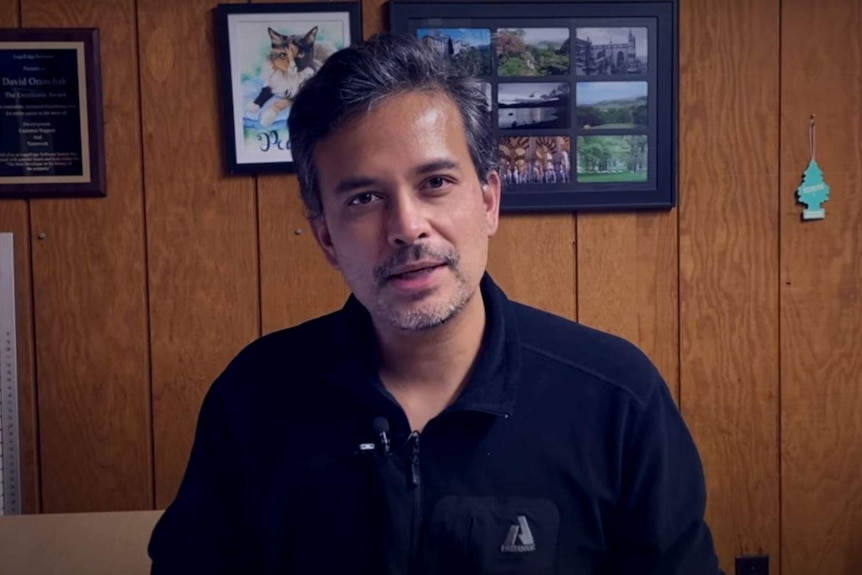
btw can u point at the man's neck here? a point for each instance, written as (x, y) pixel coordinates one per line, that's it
(426, 370)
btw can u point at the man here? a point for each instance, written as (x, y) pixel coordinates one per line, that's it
(431, 426)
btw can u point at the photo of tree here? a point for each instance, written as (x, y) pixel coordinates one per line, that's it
(532, 51)
(612, 159)
(610, 51)
(612, 105)
(533, 105)
(468, 49)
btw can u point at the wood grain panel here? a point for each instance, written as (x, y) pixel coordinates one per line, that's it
(728, 264)
(89, 298)
(15, 218)
(9, 14)
(296, 282)
(375, 17)
(532, 257)
(821, 291)
(627, 282)
(201, 227)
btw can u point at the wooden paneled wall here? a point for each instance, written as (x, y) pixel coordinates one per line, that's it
(129, 306)
(728, 269)
(821, 291)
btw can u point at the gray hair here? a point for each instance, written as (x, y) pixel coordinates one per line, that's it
(353, 80)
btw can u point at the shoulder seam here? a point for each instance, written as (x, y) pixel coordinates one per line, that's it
(588, 371)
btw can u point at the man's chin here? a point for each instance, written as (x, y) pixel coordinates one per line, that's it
(420, 318)
(420, 310)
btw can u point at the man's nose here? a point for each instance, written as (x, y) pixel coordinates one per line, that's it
(407, 221)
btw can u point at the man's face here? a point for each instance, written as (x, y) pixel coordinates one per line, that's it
(405, 217)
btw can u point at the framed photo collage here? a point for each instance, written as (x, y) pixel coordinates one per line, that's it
(582, 95)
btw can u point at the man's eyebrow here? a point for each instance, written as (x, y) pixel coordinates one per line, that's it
(350, 184)
(436, 165)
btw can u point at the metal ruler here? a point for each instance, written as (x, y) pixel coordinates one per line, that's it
(10, 478)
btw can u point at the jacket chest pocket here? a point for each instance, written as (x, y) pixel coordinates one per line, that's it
(492, 535)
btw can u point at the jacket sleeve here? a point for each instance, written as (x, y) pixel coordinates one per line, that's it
(197, 532)
(661, 527)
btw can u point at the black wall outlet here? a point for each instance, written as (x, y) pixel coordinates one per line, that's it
(752, 565)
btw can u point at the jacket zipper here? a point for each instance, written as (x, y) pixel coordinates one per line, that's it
(416, 486)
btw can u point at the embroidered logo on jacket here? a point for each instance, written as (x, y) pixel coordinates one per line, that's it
(519, 539)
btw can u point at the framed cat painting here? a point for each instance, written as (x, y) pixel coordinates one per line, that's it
(266, 52)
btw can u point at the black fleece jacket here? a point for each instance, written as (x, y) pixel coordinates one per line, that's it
(564, 454)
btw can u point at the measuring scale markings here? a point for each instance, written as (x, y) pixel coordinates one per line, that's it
(9, 456)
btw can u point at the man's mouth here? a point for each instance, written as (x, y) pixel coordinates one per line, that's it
(414, 272)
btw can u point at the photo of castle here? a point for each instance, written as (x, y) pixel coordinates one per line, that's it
(610, 51)
(467, 49)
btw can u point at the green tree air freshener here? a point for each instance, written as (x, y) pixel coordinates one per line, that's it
(814, 190)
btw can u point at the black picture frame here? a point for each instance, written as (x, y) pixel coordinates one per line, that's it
(52, 142)
(554, 67)
(256, 140)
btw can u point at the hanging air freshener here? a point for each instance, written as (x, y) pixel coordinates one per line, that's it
(813, 191)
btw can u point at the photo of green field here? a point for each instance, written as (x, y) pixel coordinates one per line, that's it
(612, 159)
(612, 105)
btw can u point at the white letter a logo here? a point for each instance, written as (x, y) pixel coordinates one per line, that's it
(520, 538)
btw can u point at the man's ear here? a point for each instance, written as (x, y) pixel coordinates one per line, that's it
(491, 199)
(324, 239)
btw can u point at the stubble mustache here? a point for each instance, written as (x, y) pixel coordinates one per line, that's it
(408, 254)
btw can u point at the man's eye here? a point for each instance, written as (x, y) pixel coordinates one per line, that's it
(362, 199)
(436, 182)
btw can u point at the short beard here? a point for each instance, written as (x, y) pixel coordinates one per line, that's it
(428, 316)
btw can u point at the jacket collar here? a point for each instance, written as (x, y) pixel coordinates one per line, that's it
(493, 381)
